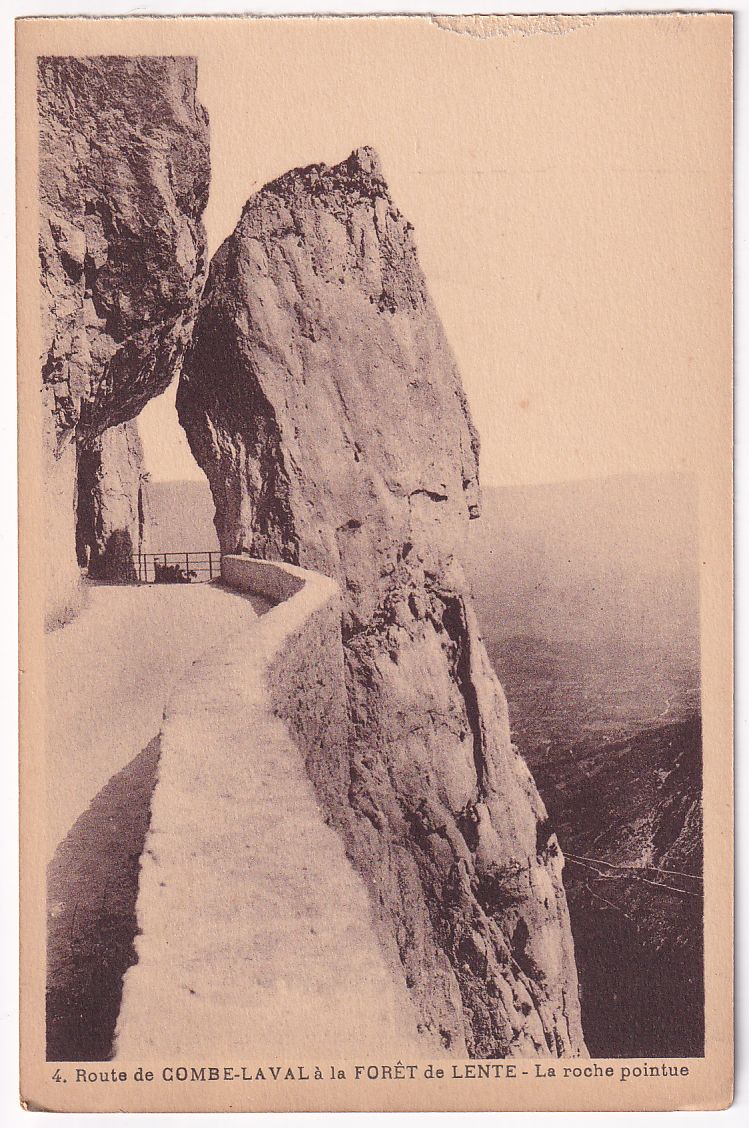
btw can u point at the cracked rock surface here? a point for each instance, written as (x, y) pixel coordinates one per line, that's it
(112, 496)
(123, 182)
(322, 400)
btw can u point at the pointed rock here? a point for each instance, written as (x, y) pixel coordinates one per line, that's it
(322, 399)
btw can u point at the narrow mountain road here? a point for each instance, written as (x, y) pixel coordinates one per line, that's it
(109, 676)
(256, 940)
(200, 864)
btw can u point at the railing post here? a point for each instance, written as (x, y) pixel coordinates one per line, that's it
(210, 565)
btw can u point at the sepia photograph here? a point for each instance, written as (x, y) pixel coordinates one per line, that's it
(375, 399)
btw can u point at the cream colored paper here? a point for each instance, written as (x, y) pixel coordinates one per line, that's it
(569, 181)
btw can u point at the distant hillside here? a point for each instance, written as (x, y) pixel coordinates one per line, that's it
(587, 595)
(575, 560)
(629, 820)
(181, 517)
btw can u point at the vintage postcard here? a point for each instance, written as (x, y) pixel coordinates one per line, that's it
(375, 492)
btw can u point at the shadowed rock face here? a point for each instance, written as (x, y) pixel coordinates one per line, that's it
(112, 497)
(322, 400)
(123, 182)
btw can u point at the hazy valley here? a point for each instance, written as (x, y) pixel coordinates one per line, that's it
(587, 593)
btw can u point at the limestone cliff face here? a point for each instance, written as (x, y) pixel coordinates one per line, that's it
(322, 400)
(112, 497)
(123, 182)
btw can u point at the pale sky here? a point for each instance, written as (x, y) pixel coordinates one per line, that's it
(562, 190)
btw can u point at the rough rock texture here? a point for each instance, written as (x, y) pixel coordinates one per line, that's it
(322, 400)
(123, 182)
(112, 496)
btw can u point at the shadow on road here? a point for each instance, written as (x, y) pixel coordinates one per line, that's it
(92, 887)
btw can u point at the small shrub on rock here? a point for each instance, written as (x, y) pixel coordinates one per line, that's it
(116, 562)
(172, 574)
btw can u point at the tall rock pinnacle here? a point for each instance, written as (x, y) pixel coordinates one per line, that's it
(321, 398)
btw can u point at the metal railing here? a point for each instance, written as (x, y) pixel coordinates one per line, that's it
(177, 567)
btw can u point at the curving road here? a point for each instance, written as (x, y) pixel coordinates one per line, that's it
(109, 676)
(200, 867)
